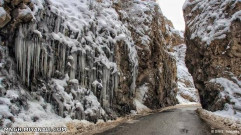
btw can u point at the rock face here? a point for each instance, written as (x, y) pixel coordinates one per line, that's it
(213, 39)
(152, 34)
(86, 59)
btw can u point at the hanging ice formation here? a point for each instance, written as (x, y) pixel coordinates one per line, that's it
(81, 47)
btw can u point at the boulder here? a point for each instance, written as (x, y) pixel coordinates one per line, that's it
(4, 17)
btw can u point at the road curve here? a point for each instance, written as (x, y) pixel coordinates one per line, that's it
(181, 121)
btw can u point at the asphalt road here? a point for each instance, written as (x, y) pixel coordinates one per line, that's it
(181, 121)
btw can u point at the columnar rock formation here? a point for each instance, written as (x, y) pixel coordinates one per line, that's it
(213, 38)
(86, 59)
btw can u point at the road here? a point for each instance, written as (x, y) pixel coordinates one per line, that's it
(181, 121)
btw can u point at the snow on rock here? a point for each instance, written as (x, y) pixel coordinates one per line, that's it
(213, 55)
(230, 90)
(140, 107)
(141, 95)
(38, 5)
(2, 12)
(77, 38)
(78, 60)
(67, 56)
(1, 2)
(39, 114)
(220, 122)
(150, 34)
(215, 10)
(186, 90)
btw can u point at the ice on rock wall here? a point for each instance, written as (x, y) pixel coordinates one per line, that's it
(77, 59)
(67, 56)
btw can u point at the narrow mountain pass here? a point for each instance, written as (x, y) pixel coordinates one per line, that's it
(170, 122)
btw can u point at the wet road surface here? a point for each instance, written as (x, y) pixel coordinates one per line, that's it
(181, 121)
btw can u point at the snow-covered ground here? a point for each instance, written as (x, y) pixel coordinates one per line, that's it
(187, 93)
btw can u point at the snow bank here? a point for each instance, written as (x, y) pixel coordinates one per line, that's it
(218, 121)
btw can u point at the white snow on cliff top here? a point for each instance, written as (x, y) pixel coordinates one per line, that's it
(212, 22)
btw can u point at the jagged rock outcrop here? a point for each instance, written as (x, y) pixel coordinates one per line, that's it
(87, 59)
(152, 35)
(213, 39)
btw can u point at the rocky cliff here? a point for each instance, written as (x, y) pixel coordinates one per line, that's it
(83, 59)
(213, 38)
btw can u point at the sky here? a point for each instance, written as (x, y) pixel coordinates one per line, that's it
(172, 9)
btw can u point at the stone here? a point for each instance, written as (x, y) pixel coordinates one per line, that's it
(26, 1)
(219, 58)
(23, 13)
(16, 2)
(7, 1)
(4, 18)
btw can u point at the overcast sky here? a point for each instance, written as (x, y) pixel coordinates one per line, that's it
(172, 9)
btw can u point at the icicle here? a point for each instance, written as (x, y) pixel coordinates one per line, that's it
(45, 53)
(38, 46)
(116, 83)
(24, 61)
(51, 61)
(82, 68)
(105, 83)
(74, 66)
(133, 85)
(57, 24)
(63, 52)
(29, 50)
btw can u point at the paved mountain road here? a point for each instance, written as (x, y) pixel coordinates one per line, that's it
(181, 121)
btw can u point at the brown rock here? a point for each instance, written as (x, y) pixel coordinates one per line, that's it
(219, 58)
(7, 1)
(26, 1)
(16, 2)
(156, 68)
(23, 13)
(4, 19)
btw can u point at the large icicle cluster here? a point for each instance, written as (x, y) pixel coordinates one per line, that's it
(86, 59)
(77, 39)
